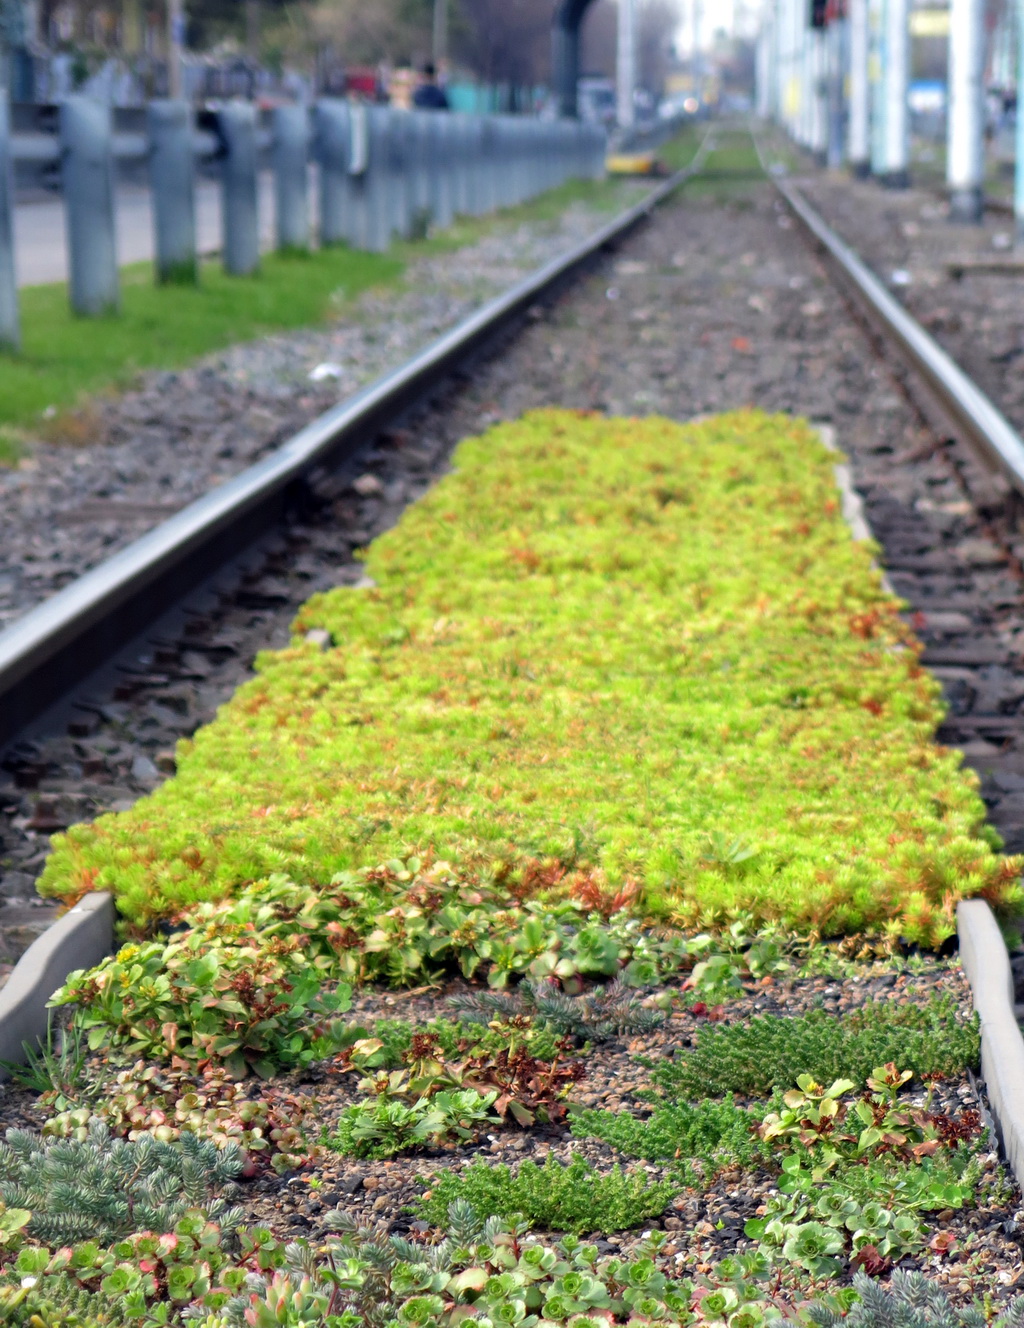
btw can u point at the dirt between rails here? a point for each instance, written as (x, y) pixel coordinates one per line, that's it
(716, 303)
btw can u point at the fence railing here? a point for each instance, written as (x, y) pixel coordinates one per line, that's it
(382, 173)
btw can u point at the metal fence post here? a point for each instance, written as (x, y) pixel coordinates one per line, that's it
(172, 176)
(291, 177)
(240, 217)
(10, 332)
(420, 164)
(370, 225)
(441, 145)
(88, 178)
(398, 164)
(332, 140)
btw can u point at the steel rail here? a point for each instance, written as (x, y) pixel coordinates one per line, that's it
(983, 424)
(55, 646)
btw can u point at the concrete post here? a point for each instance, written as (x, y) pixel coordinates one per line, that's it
(819, 94)
(625, 64)
(331, 138)
(835, 40)
(291, 177)
(965, 160)
(10, 330)
(762, 71)
(241, 238)
(858, 146)
(172, 177)
(895, 77)
(876, 65)
(87, 167)
(175, 44)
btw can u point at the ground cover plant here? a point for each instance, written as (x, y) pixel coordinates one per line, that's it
(307, 1092)
(665, 675)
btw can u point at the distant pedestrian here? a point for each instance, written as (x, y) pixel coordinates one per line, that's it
(429, 96)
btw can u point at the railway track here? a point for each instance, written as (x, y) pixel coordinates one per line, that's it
(97, 684)
(717, 301)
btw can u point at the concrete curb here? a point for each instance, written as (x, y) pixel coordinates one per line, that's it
(81, 938)
(987, 966)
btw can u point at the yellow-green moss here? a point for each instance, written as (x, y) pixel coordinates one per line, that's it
(634, 645)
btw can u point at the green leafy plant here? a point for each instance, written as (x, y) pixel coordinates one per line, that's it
(385, 1124)
(210, 995)
(518, 1084)
(165, 1100)
(56, 1067)
(702, 1139)
(491, 1272)
(146, 1279)
(573, 1197)
(102, 1189)
(771, 1051)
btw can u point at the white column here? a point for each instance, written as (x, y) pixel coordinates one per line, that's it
(965, 168)
(895, 71)
(625, 64)
(876, 84)
(1018, 180)
(819, 93)
(858, 145)
(763, 97)
(836, 43)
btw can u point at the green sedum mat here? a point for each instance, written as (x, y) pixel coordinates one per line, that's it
(632, 645)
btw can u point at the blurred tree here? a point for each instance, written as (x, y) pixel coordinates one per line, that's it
(657, 23)
(361, 33)
(506, 41)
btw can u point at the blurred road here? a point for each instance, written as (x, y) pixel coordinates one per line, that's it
(40, 244)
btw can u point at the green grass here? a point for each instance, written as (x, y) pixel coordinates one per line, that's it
(65, 358)
(631, 646)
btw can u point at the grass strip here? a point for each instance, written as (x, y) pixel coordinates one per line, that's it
(64, 357)
(646, 649)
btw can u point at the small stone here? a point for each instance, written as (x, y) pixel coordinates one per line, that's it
(144, 769)
(367, 486)
(319, 637)
(17, 885)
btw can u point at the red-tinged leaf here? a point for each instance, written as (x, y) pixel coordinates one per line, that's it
(871, 1262)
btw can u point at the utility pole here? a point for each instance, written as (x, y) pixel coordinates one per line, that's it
(965, 162)
(440, 42)
(858, 130)
(1018, 176)
(895, 76)
(625, 64)
(175, 42)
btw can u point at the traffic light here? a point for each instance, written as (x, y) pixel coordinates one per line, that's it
(819, 16)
